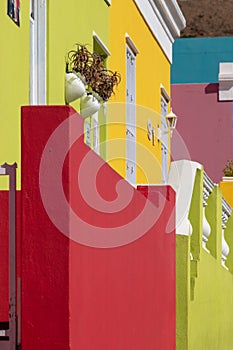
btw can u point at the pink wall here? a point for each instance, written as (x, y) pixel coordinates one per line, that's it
(82, 297)
(205, 124)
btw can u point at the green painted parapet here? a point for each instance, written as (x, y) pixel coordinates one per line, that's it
(195, 215)
(229, 240)
(182, 290)
(196, 220)
(204, 262)
(214, 218)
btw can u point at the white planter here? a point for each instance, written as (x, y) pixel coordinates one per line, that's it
(89, 105)
(97, 96)
(74, 87)
(227, 178)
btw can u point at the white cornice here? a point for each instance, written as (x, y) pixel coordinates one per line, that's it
(165, 20)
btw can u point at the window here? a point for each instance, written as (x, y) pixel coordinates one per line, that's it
(164, 145)
(98, 120)
(131, 52)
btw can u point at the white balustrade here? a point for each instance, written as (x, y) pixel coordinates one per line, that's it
(208, 187)
(182, 178)
(226, 213)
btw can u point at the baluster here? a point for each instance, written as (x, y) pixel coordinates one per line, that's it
(226, 213)
(208, 186)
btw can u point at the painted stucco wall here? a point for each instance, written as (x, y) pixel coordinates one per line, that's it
(115, 298)
(4, 248)
(14, 90)
(4, 251)
(152, 69)
(204, 286)
(227, 191)
(196, 60)
(205, 125)
(68, 24)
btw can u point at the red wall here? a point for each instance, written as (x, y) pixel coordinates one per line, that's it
(205, 124)
(4, 248)
(45, 251)
(81, 296)
(4, 251)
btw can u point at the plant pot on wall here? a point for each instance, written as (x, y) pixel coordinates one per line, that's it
(228, 171)
(89, 105)
(227, 178)
(74, 87)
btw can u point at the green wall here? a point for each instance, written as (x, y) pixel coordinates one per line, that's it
(204, 286)
(14, 90)
(70, 23)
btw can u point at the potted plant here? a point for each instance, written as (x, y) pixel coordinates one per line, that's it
(77, 72)
(89, 103)
(87, 77)
(104, 86)
(228, 171)
(101, 83)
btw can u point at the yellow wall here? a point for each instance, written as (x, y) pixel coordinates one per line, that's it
(227, 191)
(152, 69)
(14, 90)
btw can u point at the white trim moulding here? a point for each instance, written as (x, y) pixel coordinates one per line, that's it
(131, 44)
(165, 20)
(164, 93)
(101, 44)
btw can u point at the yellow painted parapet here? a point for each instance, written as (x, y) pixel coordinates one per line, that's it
(227, 191)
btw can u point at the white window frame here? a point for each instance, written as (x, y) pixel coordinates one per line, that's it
(131, 157)
(38, 53)
(164, 134)
(95, 117)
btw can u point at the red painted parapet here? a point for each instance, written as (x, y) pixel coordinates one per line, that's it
(4, 256)
(10, 262)
(98, 256)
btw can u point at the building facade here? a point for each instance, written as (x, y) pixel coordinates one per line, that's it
(201, 86)
(205, 119)
(54, 287)
(141, 50)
